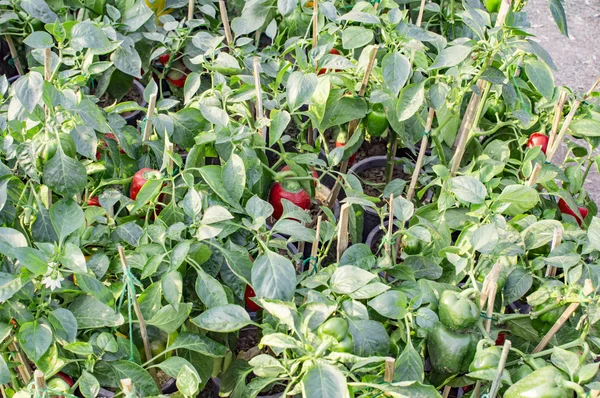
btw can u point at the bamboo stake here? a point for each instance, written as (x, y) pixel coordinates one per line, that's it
(140, 317)
(47, 64)
(421, 156)
(421, 12)
(40, 383)
(342, 238)
(352, 127)
(446, 392)
(498, 379)
(390, 364)
(127, 387)
(149, 115)
(390, 231)
(225, 21)
(259, 105)
(587, 290)
(315, 247)
(315, 24)
(558, 110)
(556, 240)
(490, 279)
(493, 289)
(13, 54)
(191, 10)
(469, 117)
(23, 368)
(170, 159)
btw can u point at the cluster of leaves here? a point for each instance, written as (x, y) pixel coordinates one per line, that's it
(199, 235)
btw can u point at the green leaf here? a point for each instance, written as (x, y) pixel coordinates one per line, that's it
(64, 324)
(73, 258)
(130, 233)
(566, 361)
(409, 365)
(130, 370)
(234, 177)
(88, 385)
(324, 381)
(126, 58)
(186, 125)
(342, 111)
(188, 381)
(191, 86)
(35, 338)
(32, 259)
(213, 177)
(520, 199)
(198, 343)
(540, 233)
(172, 287)
(585, 128)
(358, 255)
(66, 217)
(517, 284)
(300, 88)
(411, 99)
(28, 90)
(38, 9)
(273, 276)
(467, 189)
(280, 119)
(209, 290)
(594, 233)
(369, 337)
(356, 37)
(347, 279)
(39, 39)
(4, 372)
(560, 17)
(147, 193)
(87, 35)
(91, 313)
(223, 319)
(170, 318)
(9, 285)
(64, 175)
(391, 304)
(541, 77)
(451, 56)
(396, 69)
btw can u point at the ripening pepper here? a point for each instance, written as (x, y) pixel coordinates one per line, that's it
(457, 311)
(487, 356)
(450, 352)
(377, 122)
(542, 383)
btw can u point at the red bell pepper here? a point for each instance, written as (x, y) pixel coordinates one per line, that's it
(332, 51)
(565, 209)
(538, 139)
(94, 201)
(140, 178)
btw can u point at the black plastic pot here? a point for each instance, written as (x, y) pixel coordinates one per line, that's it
(375, 234)
(134, 116)
(371, 217)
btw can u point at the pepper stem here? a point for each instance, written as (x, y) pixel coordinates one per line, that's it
(467, 292)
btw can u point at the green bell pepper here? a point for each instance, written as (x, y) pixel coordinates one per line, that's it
(495, 106)
(457, 311)
(346, 345)
(544, 322)
(377, 122)
(450, 352)
(334, 327)
(487, 356)
(542, 383)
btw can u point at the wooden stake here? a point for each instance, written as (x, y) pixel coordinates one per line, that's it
(390, 231)
(170, 160)
(469, 117)
(342, 238)
(225, 21)
(149, 115)
(498, 379)
(390, 364)
(446, 392)
(490, 279)
(13, 54)
(556, 240)
(420, 156)
(40, 383)
(127, 387)
(47, 64)
(493, 289)
(191, 5)
(140, 317)
(421, 12)
(352, 127)
(558, 110)
(315, 247)
(23, 368)
(315, 24)
(587, 290)
(257, 87)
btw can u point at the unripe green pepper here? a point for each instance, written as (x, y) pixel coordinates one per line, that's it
(450, 352)
(486, 357)
(334, 327)
(346, 345)
(541, 383)
(377, 121)
(457, 311)
(544, 322)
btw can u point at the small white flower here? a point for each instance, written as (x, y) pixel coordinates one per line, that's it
(52, 278)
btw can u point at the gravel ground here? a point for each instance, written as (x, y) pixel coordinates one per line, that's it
(576, 56)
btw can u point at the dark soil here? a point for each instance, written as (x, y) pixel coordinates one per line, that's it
(132, 95)
(374, 180)
(247, 339)
(208, 392)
